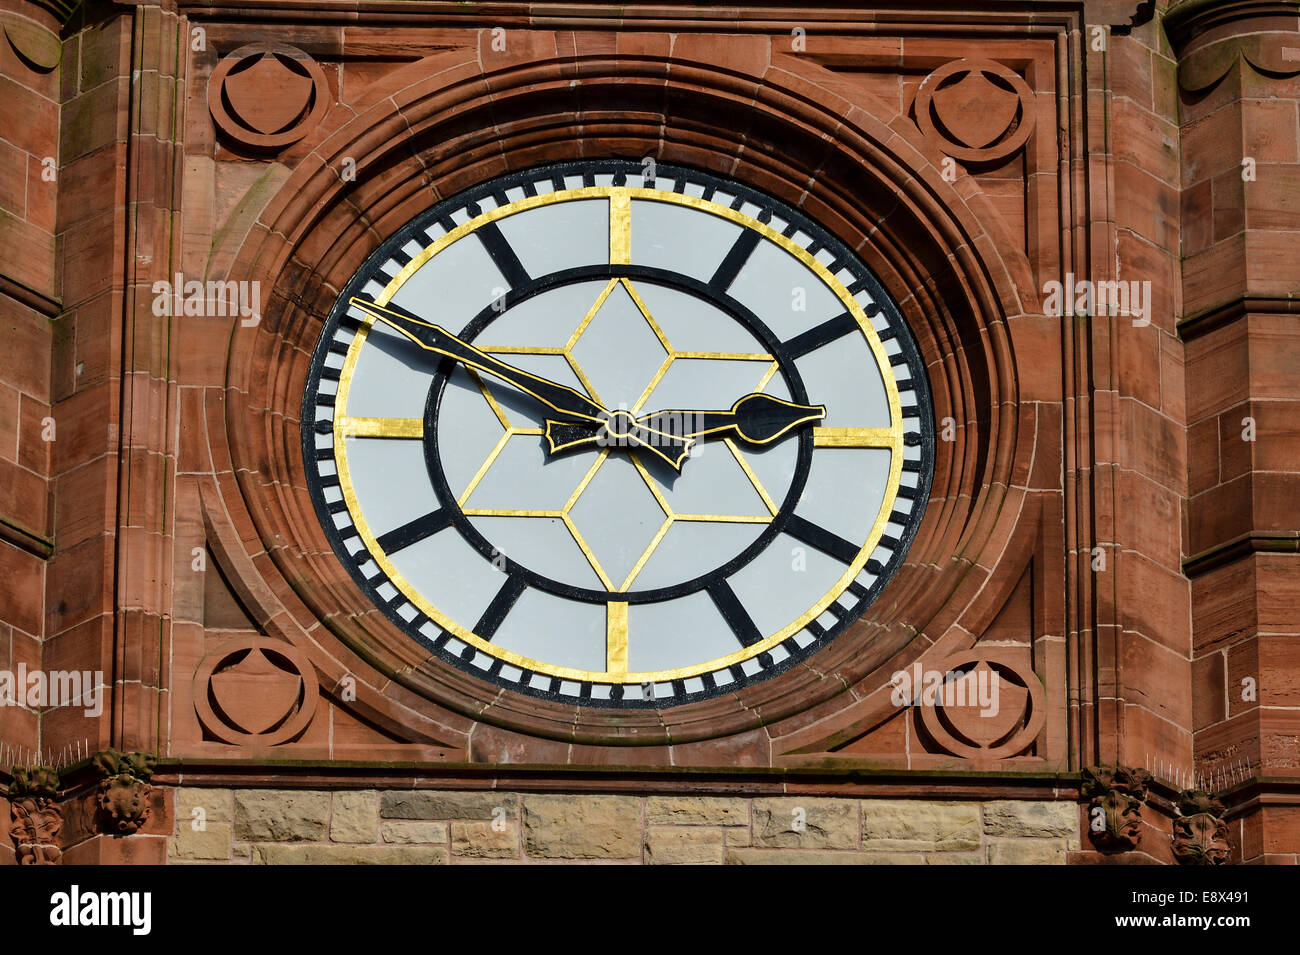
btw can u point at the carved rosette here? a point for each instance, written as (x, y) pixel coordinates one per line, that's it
(1115, 795)
(975, 110)
(1200, 835)
(267, 96)
(123, 795)
(36, 817)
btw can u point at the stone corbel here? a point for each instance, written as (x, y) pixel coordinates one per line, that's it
(123, 795)
(1116, 795)
(36, 818)
(1200, 835)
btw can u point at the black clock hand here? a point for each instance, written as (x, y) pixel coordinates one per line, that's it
(562, 399)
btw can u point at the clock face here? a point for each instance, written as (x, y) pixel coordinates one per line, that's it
(616, 440)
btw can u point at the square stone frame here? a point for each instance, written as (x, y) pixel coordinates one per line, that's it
(1024, 498)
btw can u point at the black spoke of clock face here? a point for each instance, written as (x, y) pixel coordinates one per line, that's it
(503, 255)
(736, 258)
(846, 552)
(412, 532)
(734, 612)
(413, 461)
(501, 604)
(823, 334)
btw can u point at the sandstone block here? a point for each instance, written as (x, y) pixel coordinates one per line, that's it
(1027, 852)
(917, 825)
(412, 831)
(1016, 818)
(276, 815)
(696, 811)
(349, 855)
(355, 816)
(434, 804)
(582, 827)
(795, 823)
(479, 840)
(683, 845)
(210, 844)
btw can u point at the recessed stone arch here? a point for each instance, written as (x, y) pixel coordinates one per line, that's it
(444, 123)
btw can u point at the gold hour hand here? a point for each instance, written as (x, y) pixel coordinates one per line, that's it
(566, 401)
(755, 419)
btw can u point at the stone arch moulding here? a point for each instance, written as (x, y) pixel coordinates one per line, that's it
(443, 123)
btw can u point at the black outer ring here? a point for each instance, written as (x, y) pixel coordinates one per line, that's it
(803, 462)
(371, 269)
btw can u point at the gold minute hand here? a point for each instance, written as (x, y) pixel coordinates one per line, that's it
(575, 408)
(562, 399)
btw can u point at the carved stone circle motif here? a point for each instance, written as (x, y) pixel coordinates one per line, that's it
(254, 690)
(962, 726)
(975, 110)
(266, 96)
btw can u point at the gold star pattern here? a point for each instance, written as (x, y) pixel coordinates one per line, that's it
(766, 365)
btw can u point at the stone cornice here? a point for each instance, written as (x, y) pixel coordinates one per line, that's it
(1186, 21)
(1203, 322)
(654, 15)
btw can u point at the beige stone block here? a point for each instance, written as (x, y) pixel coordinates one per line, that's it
(797, 823)
(737, 837)
(479, 840)
(1029, 851)
(281, 815)
(349, 855)
(696, 811)
(1010, 817)
(820, 857)
(355, 816)
(955, 858)
(412, 831)
(921, 826)
(218, 805)
(438, 804)
(582, 827)
(212, 843)
(683, 845)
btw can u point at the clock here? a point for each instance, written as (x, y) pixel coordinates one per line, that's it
(617, 436)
